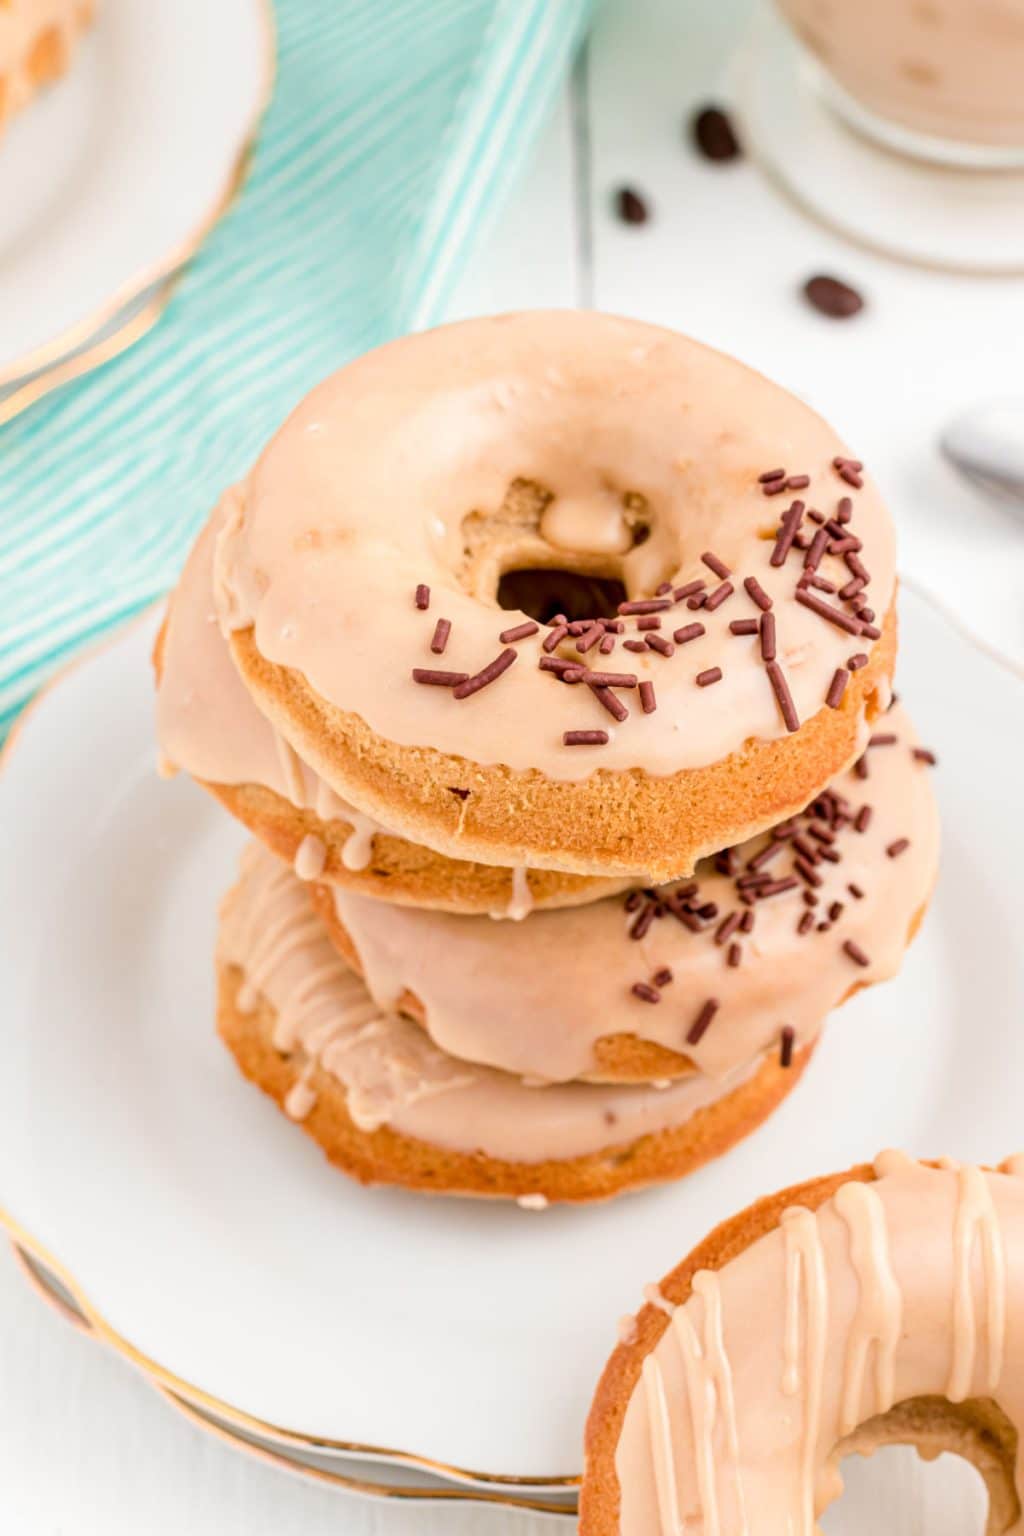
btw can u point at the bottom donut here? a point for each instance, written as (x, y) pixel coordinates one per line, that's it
(388, 1107)
(884, 1305)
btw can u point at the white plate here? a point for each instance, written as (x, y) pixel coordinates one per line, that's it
(216, 1240)
(966, 220)
(110, 178)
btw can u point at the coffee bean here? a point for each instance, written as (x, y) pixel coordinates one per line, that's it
(714, 134)
(837, 300)
(631, 207)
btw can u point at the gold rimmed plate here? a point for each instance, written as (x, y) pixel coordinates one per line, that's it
(111, 178)
(210, 1244)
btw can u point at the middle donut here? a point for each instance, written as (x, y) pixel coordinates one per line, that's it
(698, 975)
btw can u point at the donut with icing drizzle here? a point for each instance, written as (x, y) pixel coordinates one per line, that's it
(880, 1306)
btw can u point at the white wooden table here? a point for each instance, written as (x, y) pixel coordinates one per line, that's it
(85, 1445)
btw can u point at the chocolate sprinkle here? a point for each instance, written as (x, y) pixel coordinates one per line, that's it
(837, 687)
(647, 993)
(777, 678)
(856, 662)
(734, 955)
(660, 644)
(712, 675)
(713, 563)
(610, 679)
(787, 1039)
(756, 593)
(689, 589)
(646, 605)
(648, 702)
(833, 615)
(899, 846)
(743, 627)
(437, 679)
(486, 675)
(663, 977)
(855, 953)
(768, 636)
(520, 632)
(614, 706)
(422, 596)
(924, 755)
(442, 629)
(700, 1025)
(688, 632)
(585, 739)
(716, 598)
(786, 535)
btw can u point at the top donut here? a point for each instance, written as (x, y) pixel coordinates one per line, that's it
(741, 561)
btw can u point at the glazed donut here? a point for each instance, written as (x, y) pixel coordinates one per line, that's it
(567, 995)
(388, 1107)
(37, 38)
(883, 1305)
(358, 571)
(208, 724)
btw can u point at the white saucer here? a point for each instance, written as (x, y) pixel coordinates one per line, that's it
(218, 1248)
(110, 179)
(966, 220)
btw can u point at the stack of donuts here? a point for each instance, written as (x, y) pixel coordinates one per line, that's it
(547, 658)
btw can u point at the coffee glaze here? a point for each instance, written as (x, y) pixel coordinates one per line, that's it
(364, 493)
(391, 1071)
(905, 1284)
(535, 999)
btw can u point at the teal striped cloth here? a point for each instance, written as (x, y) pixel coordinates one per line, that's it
(395, 128)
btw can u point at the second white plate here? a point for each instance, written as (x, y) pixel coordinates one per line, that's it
(110, 178)
(213, 1236)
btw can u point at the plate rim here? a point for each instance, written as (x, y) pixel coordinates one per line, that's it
(68, 355)
(197, 1405)
(196, 1401)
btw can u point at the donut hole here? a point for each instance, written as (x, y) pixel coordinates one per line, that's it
(967, 1487)
(542, 592)
(539, 555)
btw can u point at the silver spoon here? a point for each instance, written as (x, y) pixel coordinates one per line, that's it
(986, 444)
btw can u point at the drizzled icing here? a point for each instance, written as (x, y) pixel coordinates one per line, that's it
(391, 1072)
(534, 998)
(893, 1289)
(876, 1326)
(977, 1226)
(362, 496)
(804, 1344)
